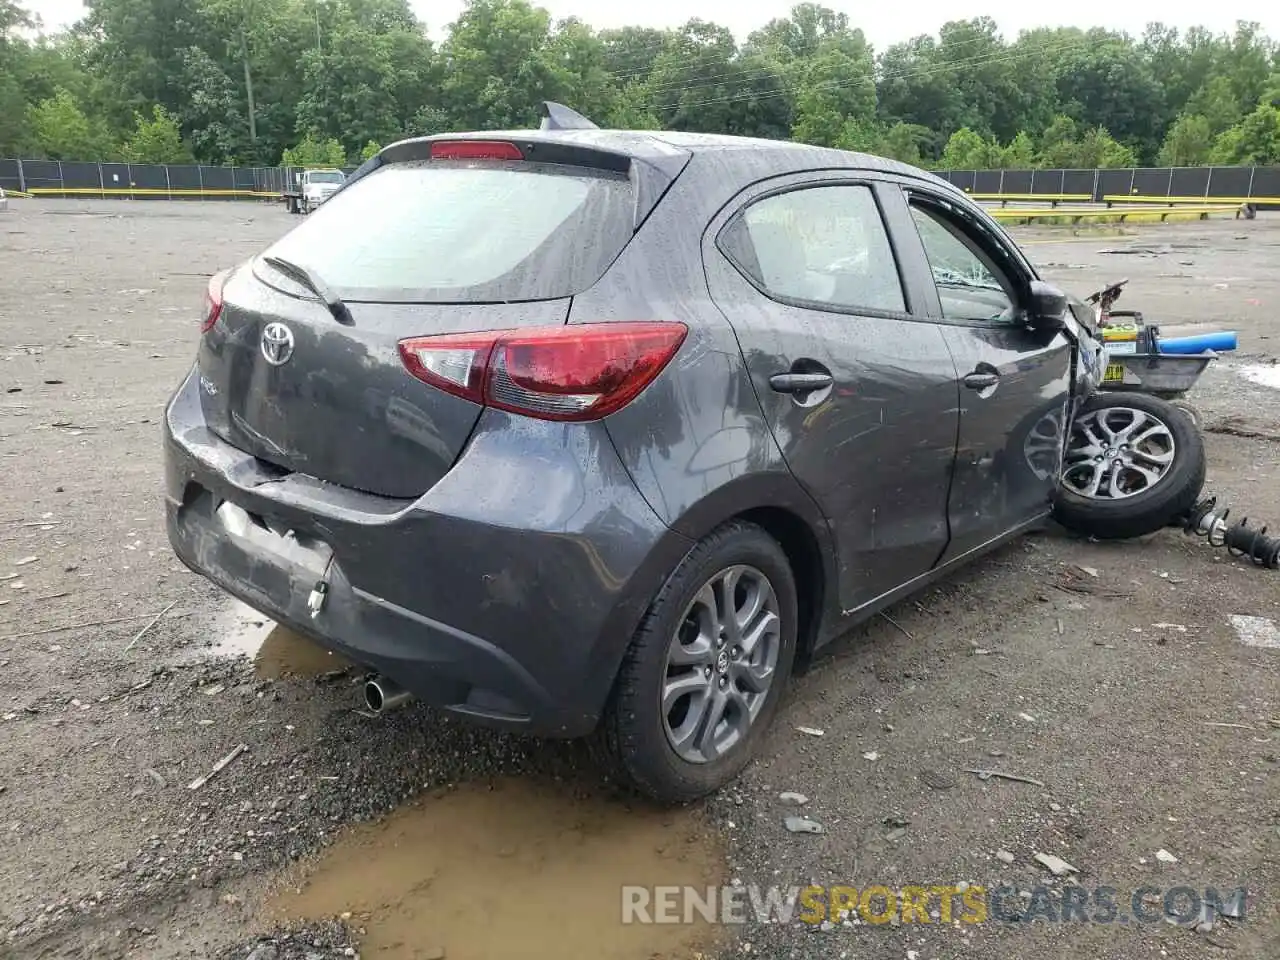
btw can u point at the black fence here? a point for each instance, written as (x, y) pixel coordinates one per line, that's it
(143, 181)
(1233, 184)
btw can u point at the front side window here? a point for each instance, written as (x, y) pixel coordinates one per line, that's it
(969, 284)
(825, 246)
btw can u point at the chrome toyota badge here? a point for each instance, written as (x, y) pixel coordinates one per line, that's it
(277, 343)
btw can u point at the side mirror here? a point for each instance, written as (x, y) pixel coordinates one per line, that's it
(1048, 307)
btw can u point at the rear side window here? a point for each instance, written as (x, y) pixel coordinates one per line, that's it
(822, 245)
(466, 232)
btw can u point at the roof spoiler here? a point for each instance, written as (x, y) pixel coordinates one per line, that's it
(556, 116)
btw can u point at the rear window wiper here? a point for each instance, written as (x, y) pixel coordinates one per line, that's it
(312, 282)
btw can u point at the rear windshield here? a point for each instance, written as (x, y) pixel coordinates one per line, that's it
(465, 232)
(334, 177)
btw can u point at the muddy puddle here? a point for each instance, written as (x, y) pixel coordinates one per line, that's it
(276, 651)
(516, 868)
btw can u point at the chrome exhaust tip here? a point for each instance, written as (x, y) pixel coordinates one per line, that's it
(382, 695)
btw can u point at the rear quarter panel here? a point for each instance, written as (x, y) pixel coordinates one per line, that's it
(695, 441)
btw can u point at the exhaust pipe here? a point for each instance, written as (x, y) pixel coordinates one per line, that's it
(382, 695)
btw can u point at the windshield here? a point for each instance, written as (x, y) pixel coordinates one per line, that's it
(325, 176)
(458, 232)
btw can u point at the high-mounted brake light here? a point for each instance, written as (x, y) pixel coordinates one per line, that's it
(475, 150)
(576, 372)
(213, 301)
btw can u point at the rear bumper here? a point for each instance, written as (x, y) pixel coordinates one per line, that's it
(508, 592)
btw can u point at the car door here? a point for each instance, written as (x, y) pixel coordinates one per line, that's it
(857, 386)
(1015, 380)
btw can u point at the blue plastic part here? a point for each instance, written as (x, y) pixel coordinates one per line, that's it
(1222, 341)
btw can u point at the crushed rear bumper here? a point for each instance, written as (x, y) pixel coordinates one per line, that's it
(508, 592)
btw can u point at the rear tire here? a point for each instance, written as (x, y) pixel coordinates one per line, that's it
(646, 743)
(1149, 509)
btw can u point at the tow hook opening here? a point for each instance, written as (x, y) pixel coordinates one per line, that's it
(382, 695)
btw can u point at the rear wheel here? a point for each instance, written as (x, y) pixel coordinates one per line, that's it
(1133, 464)
(705, 671)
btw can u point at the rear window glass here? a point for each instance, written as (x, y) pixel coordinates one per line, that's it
(456, 231)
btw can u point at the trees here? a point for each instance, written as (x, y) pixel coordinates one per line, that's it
(242, 80)
(967, 150)
(59, 130)
(157, 139)
(312, 152)
(1254, 140)
(1188, 142)
(368, 76)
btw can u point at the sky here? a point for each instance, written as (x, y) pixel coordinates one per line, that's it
(883, 23)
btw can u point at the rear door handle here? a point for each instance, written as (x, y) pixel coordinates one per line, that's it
(980, 381)
(800, 382)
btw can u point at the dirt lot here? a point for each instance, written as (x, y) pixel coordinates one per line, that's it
(1128, 695)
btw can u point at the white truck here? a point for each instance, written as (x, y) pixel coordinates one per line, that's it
(312, 188)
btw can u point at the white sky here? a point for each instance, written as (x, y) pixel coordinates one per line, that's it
(883, 23)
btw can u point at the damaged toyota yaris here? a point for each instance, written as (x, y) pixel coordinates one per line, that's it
(595, 433)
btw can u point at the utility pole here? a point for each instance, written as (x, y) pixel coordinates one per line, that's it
(248, 87)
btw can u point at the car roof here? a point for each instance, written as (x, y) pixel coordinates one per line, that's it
(652, 145)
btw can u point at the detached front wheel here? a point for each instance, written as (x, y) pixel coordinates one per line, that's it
(1133, 464)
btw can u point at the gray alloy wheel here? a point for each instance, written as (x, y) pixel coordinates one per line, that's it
(1118, 452)
(720, 664)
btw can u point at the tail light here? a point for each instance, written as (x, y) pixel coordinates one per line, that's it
(576, 372)
(213, 301)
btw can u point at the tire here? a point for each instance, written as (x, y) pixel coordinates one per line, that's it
(635, 740)
(1150, 509)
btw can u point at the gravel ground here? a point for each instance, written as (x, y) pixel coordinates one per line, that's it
(1127, 695)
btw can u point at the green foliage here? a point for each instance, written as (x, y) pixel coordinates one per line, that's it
(1188, 142)
(314, 152)
(1058, 142)
(1255, 139)
(157, 140)
(1215, 100)
(369, 150)
(222, 80)
(1019, 153)
(967, 150)
(903, 141)
(59, 130)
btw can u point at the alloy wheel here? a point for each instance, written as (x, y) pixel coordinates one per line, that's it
(720, 664)
(1116, 453)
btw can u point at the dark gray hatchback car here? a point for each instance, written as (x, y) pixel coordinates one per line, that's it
(583, 431)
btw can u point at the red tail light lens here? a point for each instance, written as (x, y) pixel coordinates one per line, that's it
(475, 150)
(213, 301)
(577, 372)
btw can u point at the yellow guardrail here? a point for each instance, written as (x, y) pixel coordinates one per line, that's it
(1203, 211)
(1053, 199)
(1178, 201)
(16, 193)
(145, 192)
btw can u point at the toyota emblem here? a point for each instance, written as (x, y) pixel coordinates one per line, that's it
(277, 343)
